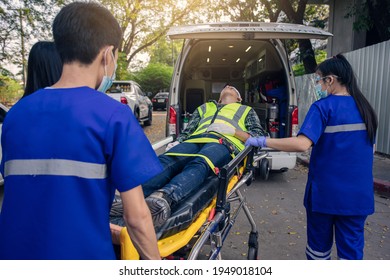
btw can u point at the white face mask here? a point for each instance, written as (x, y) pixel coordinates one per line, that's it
(107, 81)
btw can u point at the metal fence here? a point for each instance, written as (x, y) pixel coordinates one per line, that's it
(372, 69)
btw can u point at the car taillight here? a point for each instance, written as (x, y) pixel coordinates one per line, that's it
(153, 99)
(123, 100)
(294, 122)
(172, 121)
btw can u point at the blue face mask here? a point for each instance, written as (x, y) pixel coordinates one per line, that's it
(107, 81)
(318, 88)
(319, 92)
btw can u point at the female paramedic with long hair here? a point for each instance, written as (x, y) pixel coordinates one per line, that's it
(44, 67)
(339, 195)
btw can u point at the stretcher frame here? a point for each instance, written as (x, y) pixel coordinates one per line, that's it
(215, 221)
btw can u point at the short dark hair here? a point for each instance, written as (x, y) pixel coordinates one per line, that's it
(81, 30)
(44, 67)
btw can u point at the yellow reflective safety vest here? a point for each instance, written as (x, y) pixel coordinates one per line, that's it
(233, 114)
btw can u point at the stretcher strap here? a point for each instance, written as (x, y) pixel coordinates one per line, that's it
(209, 162)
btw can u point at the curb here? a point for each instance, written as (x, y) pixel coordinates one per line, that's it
(380, 186)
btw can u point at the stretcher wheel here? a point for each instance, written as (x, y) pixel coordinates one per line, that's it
(252, 253)
(253, 244)
(264, 169)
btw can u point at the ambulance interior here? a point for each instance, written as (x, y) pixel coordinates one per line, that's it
(254, 67)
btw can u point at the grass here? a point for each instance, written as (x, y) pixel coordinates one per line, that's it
(299, 69)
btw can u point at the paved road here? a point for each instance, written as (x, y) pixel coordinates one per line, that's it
(277, 208)
(280, 216)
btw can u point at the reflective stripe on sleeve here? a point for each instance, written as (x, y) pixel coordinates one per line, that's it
(345, 128)
(202, 110)
(202, 121)
(56, 167)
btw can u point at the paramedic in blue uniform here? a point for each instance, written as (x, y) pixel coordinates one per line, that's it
(214, 133)
(44, 67)
(68, 148)
(339, 196)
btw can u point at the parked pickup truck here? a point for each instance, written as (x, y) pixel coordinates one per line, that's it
(131, 94)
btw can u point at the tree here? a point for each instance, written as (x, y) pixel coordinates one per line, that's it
(270, 10)
(10, 90)
(238, 10)
(21, 24)
(144, 22)
(122, 74)
(296, 16)
(155, 77)
(164, 51)
(371, 16)
(241, 10)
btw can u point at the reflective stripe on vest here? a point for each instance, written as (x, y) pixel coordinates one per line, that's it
(345, 128)
(233, 114)
(56, 167)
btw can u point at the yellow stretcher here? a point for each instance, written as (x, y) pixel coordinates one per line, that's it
(212, 222)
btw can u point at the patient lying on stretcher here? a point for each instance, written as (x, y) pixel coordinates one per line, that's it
(215, 133)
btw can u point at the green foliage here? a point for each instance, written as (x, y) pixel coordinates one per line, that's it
(22, 23)
(299, 69)
(371, 16)
(165, 51)
(122, 74)
(363, 21)
(291, 45)
(10, 90)
(154, 77)
(144, 22)
(316, 15)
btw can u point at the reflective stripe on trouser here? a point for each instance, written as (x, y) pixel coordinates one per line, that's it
(315, 255)
(55, 167)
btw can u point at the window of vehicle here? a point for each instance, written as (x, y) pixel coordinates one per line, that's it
(162, 95)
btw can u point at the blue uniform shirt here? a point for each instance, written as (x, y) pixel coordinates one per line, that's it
(340, 179)
(65, 151)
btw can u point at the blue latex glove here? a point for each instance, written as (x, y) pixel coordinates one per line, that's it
(256, 142)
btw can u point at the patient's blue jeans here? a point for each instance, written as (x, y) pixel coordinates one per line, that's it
(182, 174)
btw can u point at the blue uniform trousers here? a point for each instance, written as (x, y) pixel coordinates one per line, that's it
(348, 232)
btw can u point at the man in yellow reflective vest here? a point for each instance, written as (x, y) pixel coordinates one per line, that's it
(215, 132)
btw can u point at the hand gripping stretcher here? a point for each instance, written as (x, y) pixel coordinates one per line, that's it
(204, 220)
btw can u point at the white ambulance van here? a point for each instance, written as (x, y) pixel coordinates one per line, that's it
(250, 56)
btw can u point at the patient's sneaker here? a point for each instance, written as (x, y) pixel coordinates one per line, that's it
(160, 207)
